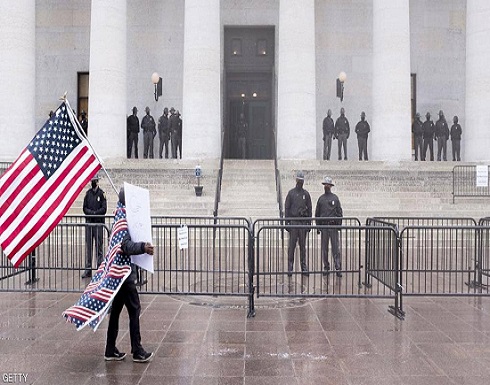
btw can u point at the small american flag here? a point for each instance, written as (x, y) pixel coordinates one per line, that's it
(97, 298)
(40, 186)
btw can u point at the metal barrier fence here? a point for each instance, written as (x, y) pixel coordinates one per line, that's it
(465, 182)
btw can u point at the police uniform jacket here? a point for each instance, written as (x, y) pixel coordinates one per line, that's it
(429, 129)
(95, 203)
(164, 127)
(148, 124)
(298, 204)
(456, 132)
(133, 124)
(342, 126)
(417, 129)
(362, 129)
(174, 124)
(328, 206)
(442, 130)
(328, 127)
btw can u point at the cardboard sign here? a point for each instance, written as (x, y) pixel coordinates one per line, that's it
(183, 237)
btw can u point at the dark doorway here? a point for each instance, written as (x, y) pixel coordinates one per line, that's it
(249, 63)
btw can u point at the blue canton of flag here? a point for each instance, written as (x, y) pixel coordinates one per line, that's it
(97, 298)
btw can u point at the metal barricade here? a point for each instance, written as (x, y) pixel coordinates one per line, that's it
(442, 260)
(402, 222)
(465, 183)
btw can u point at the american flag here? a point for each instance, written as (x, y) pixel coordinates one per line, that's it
(97, 298)
(40, 186)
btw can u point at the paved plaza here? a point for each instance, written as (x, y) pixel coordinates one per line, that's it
(202, 341)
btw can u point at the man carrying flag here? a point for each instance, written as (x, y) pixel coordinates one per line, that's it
(37, 190)
(114, 284)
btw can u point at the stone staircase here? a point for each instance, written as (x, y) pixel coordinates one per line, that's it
(248, 189)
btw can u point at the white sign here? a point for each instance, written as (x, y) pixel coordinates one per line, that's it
(139, 222)
(183, 237)
(482, 176)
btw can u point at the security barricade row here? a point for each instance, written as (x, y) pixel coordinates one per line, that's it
(383, 258)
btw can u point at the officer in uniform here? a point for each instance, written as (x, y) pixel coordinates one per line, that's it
(362, 131)
(133, 130)
(328, 133)
(94, 204)
(417, 132)
(149, 132)
(442, 135)
(84, 122)
(298, 204)
(328, 208)
(175, 122)
(428, 135)
(456, 132)
(164, 132)
(242, 129)
(342, 132)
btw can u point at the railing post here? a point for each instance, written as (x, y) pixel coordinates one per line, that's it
(251, 272)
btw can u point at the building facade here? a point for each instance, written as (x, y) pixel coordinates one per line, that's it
(275, 61)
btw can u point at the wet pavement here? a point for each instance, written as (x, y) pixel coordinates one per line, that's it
(324, 341)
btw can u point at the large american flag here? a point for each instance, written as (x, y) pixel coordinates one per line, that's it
(97, 298)
(40, 186)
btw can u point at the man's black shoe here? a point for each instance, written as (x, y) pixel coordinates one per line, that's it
(290, 274)
(87, 274)
(326, 273)
(142, 357)
(339, 274)
(305, 274)
(116, 356)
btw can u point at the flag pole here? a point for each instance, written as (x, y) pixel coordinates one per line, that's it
(79, 130)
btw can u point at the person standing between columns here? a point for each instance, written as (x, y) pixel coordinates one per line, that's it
(342, 132)
(242, 129)
(328, 134)
(442, 135)
(298, 205)
(94, 206)
(179, 135)
(84, 122)
(133, 130)
(362, 131)
(328, 209)
(174, 131)
(417, 132)
(164, 133)
(456, 133)
(149, 132)
(428, 135)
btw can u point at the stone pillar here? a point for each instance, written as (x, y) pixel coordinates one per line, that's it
(17, 76)
(296, 89)
(107, 84)
(201, 115)
(476, 135)
(390, 137)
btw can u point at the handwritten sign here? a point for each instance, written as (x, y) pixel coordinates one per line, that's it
(139, 221)
(183, 237)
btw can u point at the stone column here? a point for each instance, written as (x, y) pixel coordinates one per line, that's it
(201, 115)
(17, 76)
(107, 84)
(476, 135)
(390, 137)
(296, 89)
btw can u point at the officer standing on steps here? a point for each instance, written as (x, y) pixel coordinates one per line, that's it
(328, 208)
(328, 133)
(342, 132)
(417, 131)
(94, 204)
(362, 131)
(298, 204)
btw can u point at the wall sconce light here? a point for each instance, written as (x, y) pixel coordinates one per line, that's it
(254, 95)
(157, 81)
(340, 85)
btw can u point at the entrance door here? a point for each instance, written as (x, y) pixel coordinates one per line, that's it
(249, 63)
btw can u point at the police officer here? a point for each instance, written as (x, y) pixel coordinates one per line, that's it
(175, 130)
(133, 130)
(242, 128)
(328, 134)
(298, 204)
(456, 132)
(441, 135)
(328, 208)
(149, 132)
(362, 131)
(84, 122)
(417, 132)
(342, 132)
(94, 204)
(428, 135)
(164, 133)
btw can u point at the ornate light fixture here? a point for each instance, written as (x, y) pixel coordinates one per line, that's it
(157, 81)
(340, 85)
